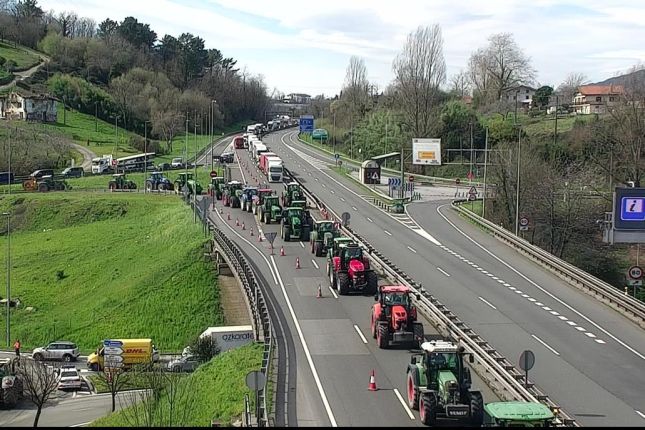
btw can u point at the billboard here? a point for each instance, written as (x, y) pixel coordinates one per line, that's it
(306, 123)
(426, 152)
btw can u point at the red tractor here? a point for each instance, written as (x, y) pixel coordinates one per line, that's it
(394, 317)
(351, 270)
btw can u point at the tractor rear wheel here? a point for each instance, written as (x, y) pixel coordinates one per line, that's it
(372, 283)
(319, 249)
(418, 334)
(476, 408)
(343, 283)
(112, 186)
(267, 218)
(161, 186)
(43, 188)
(413, 392)
(148, 186)
(382, 335)
(38, 357)
(427, 409)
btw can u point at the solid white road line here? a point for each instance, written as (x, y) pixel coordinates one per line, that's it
(315, 264)
(302, 244)
(312, 366)
(333, 293)
(535, 284)
(412, 249)
(443, 271)
(488, 303)
(405, 405)
(641, 414)
(89, 422)
(387, 232)
(358, 330)
(544, 343)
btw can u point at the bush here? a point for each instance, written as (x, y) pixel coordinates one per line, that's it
(10, 66)
(155, 146)
(204, 348)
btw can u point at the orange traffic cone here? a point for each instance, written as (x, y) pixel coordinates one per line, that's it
(319, 294)
(259, 238)
(297, 262)
(237, 222)
(251, 232)
(243, 226)
(221, 210)
(228, 216)
(282, 251)
(372, 385)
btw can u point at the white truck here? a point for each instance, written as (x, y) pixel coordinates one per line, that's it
(258, 148)
(229, 337)
(275, 169)
(101, 164)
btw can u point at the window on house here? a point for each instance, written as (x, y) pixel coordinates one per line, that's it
(611, 99)
(598, 99)
(527, 91)
(527, 97)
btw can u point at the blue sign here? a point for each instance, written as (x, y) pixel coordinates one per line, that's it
(306, 123)
(632, 209)
(112, 343)
(394, 182)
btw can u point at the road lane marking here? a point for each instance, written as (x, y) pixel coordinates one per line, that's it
(599, 340)
(554, 313)
(369, 219)
(581, 328)
(488, 303)
(332, 191)
(358, 330)
(387, 232)
(354, 207)
(591, 335)
(302, 244)
(333, 293)
(324, 186)
(89, 422)
(405, 405)
(312, 366)
(315, 264)
(443, 271)
(641, 414)
(544, 343)
(412, 249)
(342, 199)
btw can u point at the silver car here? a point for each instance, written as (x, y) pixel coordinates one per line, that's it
(61, 350)
(186, 363)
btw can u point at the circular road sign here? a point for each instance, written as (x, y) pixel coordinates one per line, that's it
(255, 380)
(635, 273)
(411, 178)
(457, 181)
(527, 360)
(213, 173)
(524, 221)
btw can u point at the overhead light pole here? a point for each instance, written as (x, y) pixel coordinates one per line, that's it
(517, 196)
(8, 215)
(145, 153)
(212, 133)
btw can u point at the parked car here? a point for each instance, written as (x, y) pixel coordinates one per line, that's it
(69, 378)
(164, 166)
(187, 363)
(6, 178)
(176, 163)
(73, 172)
(42, 172)
(60, 350)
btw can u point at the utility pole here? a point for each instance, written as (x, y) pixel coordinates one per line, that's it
(402, 189)
(145, 154)
(8, 215)
(195, 177)
(96, 113)
(386, 123)
(335, 136)
(186, 149)
(517, 92)
(116, 133)
(517, 198)
(485, 166)
(471, 152)
(555, 133)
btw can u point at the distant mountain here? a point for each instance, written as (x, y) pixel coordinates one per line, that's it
(638, 76)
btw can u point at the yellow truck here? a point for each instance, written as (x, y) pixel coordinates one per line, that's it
(122, 353)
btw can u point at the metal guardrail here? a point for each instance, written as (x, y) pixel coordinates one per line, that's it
(245, 275)
(500, 374)
(627, 305)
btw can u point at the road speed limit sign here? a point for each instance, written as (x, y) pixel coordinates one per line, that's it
(635, 273)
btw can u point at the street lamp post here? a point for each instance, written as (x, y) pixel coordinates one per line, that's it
(212, 135)
(145, 154)
(8, 215)
(517, 196)
(485, 167)
(194, 177)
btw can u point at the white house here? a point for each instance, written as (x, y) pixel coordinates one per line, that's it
(596, 98)
(522, 93)
(23, 105)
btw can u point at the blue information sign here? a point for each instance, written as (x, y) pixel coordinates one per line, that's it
(112, 343)
(632, 209)
(306, 123)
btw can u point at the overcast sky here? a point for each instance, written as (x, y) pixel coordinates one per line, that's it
(303, 46)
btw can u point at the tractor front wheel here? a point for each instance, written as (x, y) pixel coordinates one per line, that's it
(372, 283)
(413, 393)
(43, 188)
(343, 283)
(476, 408)
(427, 409)
(319, 249)
(382, 336)
(112, 186)
(418, 334)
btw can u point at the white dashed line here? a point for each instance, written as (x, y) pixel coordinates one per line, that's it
(531, 299)
(581, 328)
(387, 232)
(599, 341)
(412, 249)
(358, 330)
(519, 291)
(488, 303)
(554, 313)
(506, 284)
(324, 186)
(494, 277)
(563, 318)
(512, 288)
(302, 244)
(369, 219)
(572, 323)
(315, 264)
(539, 304)
(481, 270)
(443, 271)
(500, 281)
(332, 191)
(342, 199)
(526, 296)
(544, 343)
(405, 406)
(354, 207)
(333, 293)
(591, 335)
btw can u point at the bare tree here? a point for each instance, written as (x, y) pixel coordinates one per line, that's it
(460, 84)
(499, 66)
(569, 87)
(39, 381)
(67, 22)
(419, 71)
(356, 87)
(116, 379)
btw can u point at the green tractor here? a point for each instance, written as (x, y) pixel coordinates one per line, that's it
(322, 237)
(258, 201)
(216, 187)
(270, 211)
(186, 179)
(48, 183)
(232, 194)
(11, 391)
(296, 224)
(438, 385)
(292, 191)
(518, 414)
(119, 182)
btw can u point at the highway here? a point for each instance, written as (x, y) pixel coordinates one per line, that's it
(588, 357)
(334, 353)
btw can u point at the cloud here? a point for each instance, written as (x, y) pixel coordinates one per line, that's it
(298, 46)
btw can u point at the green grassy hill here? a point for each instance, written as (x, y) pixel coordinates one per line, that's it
(214, 392)
(22, 57)
(98, 266)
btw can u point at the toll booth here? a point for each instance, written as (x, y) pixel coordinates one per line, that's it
(370, 172)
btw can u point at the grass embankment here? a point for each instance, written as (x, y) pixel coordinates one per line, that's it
(107, 266)
(214, 392)
(129, 381)
(22, 57)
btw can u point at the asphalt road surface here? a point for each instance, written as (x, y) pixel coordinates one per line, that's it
(588, 357)
(335, 352)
